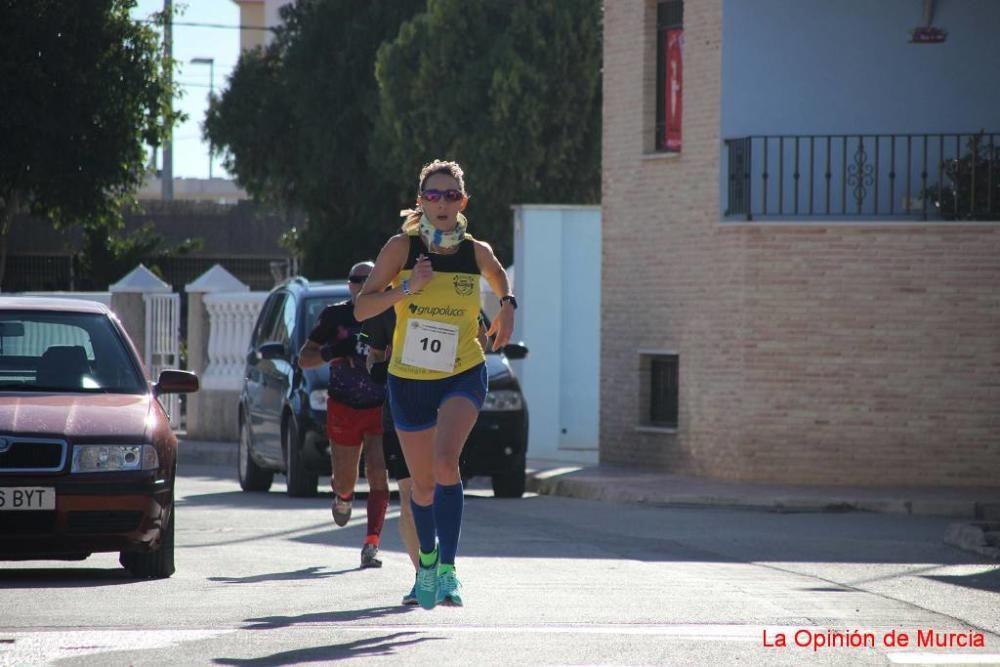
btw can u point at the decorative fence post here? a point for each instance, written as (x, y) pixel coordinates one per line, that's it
(128, 303)
(221, 315)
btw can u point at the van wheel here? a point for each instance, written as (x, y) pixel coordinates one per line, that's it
(252, 476)
(157, 564)
(510, 484)
(301, 483)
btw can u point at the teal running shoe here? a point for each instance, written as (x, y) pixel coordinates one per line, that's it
(448, 588)
(427, 584)
(410, 599)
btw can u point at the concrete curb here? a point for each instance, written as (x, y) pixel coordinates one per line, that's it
(642, 492)
(973, 537)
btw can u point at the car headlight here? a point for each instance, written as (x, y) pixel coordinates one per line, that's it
(503, 400)
(317, 399)
(111, 458)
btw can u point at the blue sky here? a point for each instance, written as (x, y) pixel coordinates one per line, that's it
(220, 44)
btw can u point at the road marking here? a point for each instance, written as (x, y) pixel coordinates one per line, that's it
(943, 658)
(33, 648)
(696, 631)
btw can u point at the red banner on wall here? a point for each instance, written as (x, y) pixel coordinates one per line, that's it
(672, 93)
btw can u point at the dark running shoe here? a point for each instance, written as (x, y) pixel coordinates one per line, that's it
(341, 509)
(369, 557)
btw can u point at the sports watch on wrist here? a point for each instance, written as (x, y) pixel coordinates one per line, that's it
(508, 299)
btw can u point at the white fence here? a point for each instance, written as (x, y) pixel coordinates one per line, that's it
(163, 344)
(231, 319)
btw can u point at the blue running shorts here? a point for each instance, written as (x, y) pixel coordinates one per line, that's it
(415, 403)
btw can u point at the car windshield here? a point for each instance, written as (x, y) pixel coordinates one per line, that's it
(65, 351)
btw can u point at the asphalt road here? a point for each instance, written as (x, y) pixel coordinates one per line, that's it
(268, 580)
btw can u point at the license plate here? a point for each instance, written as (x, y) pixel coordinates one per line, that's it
(27, 498)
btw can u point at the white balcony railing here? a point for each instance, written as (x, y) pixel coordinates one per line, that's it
(231, 319)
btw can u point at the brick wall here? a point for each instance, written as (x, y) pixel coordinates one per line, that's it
(835, 354)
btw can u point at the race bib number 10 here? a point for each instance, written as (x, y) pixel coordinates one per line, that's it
(430, 345)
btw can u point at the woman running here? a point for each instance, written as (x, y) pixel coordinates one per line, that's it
(437, 372)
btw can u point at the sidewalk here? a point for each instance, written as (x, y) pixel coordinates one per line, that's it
(628, 485)
(975, 506)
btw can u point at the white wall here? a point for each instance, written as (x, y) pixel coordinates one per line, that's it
(272, 15)
(557, 252)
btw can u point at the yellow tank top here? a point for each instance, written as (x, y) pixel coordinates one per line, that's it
(448, 305)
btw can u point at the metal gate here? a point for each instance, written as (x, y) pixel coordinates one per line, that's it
(163, 344)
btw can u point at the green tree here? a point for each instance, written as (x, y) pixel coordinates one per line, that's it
(970, 189)
(296, 120)
(84, 88)
(104, 260)
(509, 88)
(253, 122)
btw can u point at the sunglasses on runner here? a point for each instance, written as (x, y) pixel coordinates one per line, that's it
(433, 196)
(357, 280)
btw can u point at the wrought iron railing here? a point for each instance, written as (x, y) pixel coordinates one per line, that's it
(863, 176)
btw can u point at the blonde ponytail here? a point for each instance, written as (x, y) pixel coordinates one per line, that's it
(411, 224)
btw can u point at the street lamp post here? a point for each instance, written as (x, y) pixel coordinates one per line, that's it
(211, 89)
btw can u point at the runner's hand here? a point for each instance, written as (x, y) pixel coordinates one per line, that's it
(421, 274)
(502, 327)
(379, 372)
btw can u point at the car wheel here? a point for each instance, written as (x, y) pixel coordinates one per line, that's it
(301, 483)
(510, 484)
(252, 476)
(157, 564)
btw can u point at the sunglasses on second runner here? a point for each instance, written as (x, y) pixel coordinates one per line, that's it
(434, 196)
(357, 280)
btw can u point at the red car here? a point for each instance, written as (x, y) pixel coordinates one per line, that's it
(87, 456)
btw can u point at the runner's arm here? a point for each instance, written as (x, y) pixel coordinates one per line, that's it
(374, 297)
(490, 268)
(310, 355)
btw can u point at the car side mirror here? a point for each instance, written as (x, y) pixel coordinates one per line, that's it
(515, 350)
(271, 350)
(176, 382)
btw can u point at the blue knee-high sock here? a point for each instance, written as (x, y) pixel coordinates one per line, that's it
(448, 504)
(423, 519)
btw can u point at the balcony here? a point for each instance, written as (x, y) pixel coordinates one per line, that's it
(864, 177)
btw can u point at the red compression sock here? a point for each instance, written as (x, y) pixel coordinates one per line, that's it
(378, 503)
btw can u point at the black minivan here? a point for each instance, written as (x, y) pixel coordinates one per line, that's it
(283, 407)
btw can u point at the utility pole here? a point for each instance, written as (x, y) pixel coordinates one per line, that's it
(211, 89)
(167, 175)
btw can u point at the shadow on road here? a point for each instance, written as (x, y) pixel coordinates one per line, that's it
(548, 527)
(65, 578)
(297, 575)
(272, 622)
(983, 581)
(268, 500)
(373, 646)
